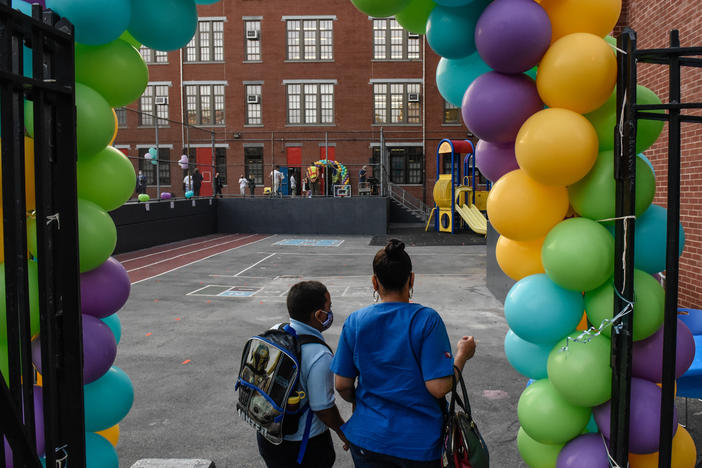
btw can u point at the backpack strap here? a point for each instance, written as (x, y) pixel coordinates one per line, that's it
(305, 339)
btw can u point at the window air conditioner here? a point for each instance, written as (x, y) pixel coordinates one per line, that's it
(252, 34)
(161, 100)
(253, 99)
(413, 97)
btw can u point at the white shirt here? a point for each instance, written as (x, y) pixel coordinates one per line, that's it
(293, 182)
(243, 183)
(188, 181)
(276, 177)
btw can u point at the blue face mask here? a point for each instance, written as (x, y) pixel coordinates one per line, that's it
(330, 319)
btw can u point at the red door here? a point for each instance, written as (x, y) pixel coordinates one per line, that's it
(332, 152)
(294, 154)
(204, 165)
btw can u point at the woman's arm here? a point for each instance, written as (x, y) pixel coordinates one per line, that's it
(345, 387)
(441, 386)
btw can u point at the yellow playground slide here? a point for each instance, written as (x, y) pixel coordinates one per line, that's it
(469, 212)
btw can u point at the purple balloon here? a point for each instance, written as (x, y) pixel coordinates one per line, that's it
(38, 426)
(647, 360)
(512, 35)
(104, 290)
(165, 195)
(496, 105)
(495, 160)
(645, 417)
(586, 450)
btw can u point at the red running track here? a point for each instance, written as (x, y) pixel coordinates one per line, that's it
(155, 261)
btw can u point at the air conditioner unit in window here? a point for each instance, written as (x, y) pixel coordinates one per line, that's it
(252, 35)
(161, 100)
(253, 99)
(413, 97)
(413, 36)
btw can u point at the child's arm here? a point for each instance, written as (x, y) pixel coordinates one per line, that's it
(333, 420)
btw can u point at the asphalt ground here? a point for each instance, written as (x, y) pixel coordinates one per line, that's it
(183, 332)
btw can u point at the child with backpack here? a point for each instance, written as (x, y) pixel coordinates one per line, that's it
(286, 387)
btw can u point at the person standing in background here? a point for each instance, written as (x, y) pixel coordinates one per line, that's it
(243, 183)
(293, 185)
(252, 184)
(218, 185)
(197, 182)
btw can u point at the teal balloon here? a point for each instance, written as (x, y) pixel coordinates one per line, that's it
(593, 196)
(380, 8)
(107, 400)
(453, 76)
(189, 194)
(99, 452)
(115, 325)
(647, 161)
(450, 31)
(578, 254)
(592, 425)
(529, 359)
(106, 179)
(96, 21)
(115, 70)
(22, 6)
(535, 454)
(163, 24)
(547, 417)
(649, 305)
(95, 121)
(540, 311)
(153, 152)
(651, 235)
(206, 2)
(97, 235)
(582, 374)
(532, 72)
(415, 16)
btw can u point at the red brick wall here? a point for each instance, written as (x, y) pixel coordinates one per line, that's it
(652, 21)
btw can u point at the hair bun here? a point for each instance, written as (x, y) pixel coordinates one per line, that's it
(394, 248)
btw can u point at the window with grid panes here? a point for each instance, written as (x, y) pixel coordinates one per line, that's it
(204, 104)
(392, 105)
(310, 103)
(253, 163)
(452, 114)
(121, 114)
(149, 169)
(253, 109)
(392, 42)
(207, 45)
(310, 39)
(152, 56)
(406, 163)
(252, 46)
(221, 163)
(148, 108)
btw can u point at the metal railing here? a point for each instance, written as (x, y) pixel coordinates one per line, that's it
(409, 201)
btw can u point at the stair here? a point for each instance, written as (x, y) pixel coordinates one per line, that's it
(402, 214)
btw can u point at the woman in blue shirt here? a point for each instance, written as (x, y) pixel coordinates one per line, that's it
(399, 354)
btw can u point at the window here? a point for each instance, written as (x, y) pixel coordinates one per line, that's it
(154, 102)
(396, 103)
(204, 104)
(207, 45)
(406, 163)
(310, 39)
(153, 56)
(392, 42)
(253, 104)
(253, 162)
(310, 103)
(121, 114)
(221, 163)
(149, 169)
(452, 114)
(252, 40)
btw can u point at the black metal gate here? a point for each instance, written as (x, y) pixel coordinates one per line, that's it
(52, 93)
(629, 113)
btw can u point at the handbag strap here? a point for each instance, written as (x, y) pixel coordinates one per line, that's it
(464, 403)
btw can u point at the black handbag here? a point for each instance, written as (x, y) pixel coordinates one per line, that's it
(462, 444)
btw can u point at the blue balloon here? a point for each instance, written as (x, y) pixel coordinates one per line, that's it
(540, 311)
(22, 6)
(529, 359)
(591, 425)
(163, 24)
(115, 325)
(107, 400)
(96, 22)
(451, 31)
(647, 161)
(453, 76)
(189, 194)
(99, 452)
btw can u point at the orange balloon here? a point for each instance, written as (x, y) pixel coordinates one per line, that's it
(583, 325)
(523, 209)
(597, 17)
(519, 259)
(684, 453)
(111, 434)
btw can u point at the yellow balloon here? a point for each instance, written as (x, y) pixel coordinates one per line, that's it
(556, 146)
(111, 434)
(578, 72)
(684, 453)
(114, 136)
(597, 17)
(519, 259)
(523, 209)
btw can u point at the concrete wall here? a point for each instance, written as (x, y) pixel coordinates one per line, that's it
(147, 224)
(358, 215)
(498, 283)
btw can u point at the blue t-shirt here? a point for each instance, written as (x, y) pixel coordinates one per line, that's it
(393, 348)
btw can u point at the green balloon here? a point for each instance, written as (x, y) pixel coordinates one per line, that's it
(33, 284)
(547, 417)
(649, 305)
(414, 17)
(582, 374)
(32, 235)
(380, 8)
(578, 254)
(535, 454)
(115, 70)
(95, 121)
(604, 119)
(29, 118)
(593, 196)
(127, 37)
(97, 235)
(106, 178)
(143, 197)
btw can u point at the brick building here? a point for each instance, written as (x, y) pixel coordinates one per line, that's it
(280, 83)
(653, 21)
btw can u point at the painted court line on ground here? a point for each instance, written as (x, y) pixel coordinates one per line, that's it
(245, 269)
(215, 239)
(127, 256)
